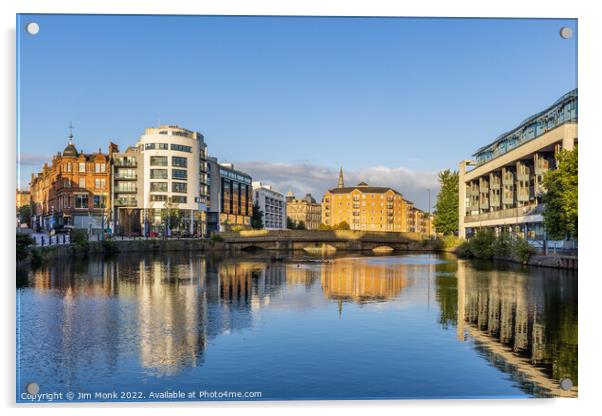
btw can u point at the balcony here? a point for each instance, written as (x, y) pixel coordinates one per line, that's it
(125, 163)
(123, 190)
(126, 177)
(125, 202)
(506, 213)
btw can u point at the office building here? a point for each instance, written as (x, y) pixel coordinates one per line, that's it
(272, 205)
(230, 196)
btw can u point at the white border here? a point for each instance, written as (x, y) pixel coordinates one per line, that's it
(590, 142)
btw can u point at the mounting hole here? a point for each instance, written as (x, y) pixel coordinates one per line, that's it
(32, 28)
(566, 32)
(32, 388)
(566, 384)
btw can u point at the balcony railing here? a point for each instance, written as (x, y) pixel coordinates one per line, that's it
(506, 213)
(123, 202)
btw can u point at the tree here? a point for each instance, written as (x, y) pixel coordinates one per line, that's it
(257, 217)
(323, 226)
(25, 214)
(343, 225)
(171, 216)
(446, 209)
(300, 225)
(560, 210)
(290, 223)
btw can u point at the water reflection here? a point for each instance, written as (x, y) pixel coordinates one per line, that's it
(523, 318)
(151, 319)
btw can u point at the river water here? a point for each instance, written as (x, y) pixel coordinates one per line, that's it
(273, 327)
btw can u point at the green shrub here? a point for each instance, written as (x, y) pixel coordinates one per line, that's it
(217, 238)
(450, 241)
(24, 241)
(464, 250)
(481, 245)
(502, 245)
(109, 246)
(522, 250)
(36, 256)
(79, 241)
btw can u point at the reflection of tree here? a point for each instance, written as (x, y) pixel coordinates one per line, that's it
(447, 296)
(446, 287)
(561, 333)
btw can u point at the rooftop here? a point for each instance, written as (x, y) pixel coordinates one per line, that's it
(562, 111)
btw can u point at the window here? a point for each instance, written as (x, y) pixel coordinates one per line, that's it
(179, 187)
(81, 201)
(179, 162)
(99, 183)
(126, 174)
(150, 146)
(178, 174)
(82, 166)
(158, 186)
(99, 201)
(158, 173)
(181, 148)
(100, 168)
(162, 146)
(158, 160)
(82, 182)
(158, 198)
(68, 167)
(67, 183)
(126, 187)
(178, 199)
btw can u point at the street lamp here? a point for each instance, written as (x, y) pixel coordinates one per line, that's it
(429, 212)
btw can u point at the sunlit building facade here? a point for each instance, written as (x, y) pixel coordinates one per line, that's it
(174, 168)
(73, 190)
(304, 210)
(371, 208)
(501, 188)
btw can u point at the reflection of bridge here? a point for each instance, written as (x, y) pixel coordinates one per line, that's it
(340, 240)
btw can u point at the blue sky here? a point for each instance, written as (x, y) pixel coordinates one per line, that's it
(290, 99)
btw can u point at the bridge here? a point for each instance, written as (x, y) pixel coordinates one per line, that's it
(346, 240)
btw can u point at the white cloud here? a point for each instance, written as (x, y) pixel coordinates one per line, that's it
(303, 177)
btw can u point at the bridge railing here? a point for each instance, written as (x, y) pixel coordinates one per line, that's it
(319, 235)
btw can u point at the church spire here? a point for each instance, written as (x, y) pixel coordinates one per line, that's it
(70, 133)
(341, 183)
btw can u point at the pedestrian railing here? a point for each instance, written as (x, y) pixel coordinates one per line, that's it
(51, 240)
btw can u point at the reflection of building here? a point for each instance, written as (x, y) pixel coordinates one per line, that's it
(345, 279)
(304, 210)
(371, 208)
(73, 190)
(231, 196)
(171, 315)
(504, 187)
(272, 205)
(516, 316)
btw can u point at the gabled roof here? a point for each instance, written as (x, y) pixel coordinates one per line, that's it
(365, 189)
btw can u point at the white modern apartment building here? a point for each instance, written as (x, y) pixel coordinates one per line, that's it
(174, 170)
(501, 188)
(272, 205)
